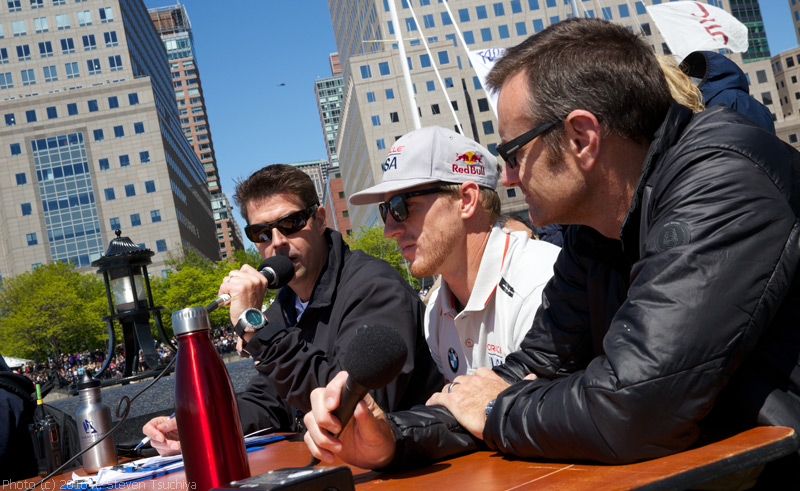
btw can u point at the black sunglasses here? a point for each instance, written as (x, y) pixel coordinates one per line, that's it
(508, 150)
(288, 225)
(397, 204)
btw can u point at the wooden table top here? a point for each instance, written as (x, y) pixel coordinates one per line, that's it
(486, 470)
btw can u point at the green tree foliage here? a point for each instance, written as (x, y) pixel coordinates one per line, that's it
(52, 310)
(195, 282)
(372, 241)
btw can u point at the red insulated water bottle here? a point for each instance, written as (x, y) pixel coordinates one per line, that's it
(205, 407)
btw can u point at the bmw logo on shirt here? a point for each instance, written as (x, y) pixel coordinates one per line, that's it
(452, 357)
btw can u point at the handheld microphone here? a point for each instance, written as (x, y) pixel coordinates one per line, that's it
(278, 270)
(373, 358)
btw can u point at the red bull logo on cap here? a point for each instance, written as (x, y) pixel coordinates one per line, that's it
(472, 161)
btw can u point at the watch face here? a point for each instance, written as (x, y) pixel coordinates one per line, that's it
(254, 317)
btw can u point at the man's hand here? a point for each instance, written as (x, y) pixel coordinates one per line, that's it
(247, 288)
(466, 398)
(163, 433)
(367, 441)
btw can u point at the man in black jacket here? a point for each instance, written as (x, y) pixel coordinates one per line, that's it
(674, 312)
(298, 343)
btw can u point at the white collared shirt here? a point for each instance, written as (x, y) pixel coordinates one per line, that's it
(504, 299)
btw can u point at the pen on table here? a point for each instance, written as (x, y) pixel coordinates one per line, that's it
(146, 439)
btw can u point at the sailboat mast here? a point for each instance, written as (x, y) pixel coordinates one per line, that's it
(404, 65)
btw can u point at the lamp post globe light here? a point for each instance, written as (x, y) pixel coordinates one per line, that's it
(130, 301)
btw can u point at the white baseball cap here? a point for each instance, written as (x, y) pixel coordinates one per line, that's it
(430, 155)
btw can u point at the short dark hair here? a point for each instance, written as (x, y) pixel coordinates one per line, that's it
(275, 179)
(594, 65)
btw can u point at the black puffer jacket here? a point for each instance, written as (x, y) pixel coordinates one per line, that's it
(698, 306)
(295, 357)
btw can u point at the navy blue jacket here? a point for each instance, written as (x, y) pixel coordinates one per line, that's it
(721, 81)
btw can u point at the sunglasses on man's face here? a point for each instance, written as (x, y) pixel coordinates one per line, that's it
(509, 150)
(396, 205)
(288, 225)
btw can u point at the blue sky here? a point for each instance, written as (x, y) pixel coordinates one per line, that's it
(247, 48)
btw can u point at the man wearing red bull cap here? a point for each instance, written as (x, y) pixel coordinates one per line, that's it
(438, 200)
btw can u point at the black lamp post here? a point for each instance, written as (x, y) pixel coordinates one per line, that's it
(130, 301)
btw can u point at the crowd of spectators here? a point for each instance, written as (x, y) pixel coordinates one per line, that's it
(68, 368)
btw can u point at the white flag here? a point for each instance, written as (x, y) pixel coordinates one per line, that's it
(694, 26)
(482, 61)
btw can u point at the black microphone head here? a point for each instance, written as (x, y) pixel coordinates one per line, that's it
(282, 267)
(375, 356)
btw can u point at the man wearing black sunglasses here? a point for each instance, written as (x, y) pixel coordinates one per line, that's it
(673, 316)
(298, 343)
(438, 201)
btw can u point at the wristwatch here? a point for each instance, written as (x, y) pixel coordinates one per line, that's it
(489, 408)
(251, 320)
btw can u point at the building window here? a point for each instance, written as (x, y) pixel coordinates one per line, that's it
(94, 66)
(31, 238)
(381, 144)
(50, 73)
(72, 109)
(106, 15)
(124, 160)
(480, 11)
(11, 120)
(488, 128)
(424, 61)
(376, 120)
(114, 222)
(150, 186)
(761, 76)
(6, 81)
(52, 112)
(93, 106)
(483, 104)
(144, 157)
(469, 38)
(430, 85)
(365, 72)
(62, 21)
(89, 42)
(345, 214)
(72, 69)
(113, 102)
(502, 32)
(28, 77)
(389, 94)
(45, 49)
(448, 82)
(766, 98)
(511, 193)
(103, 163)
(30, 115)
(394, 117)
(444, 58)
(16, 149)
(67, 46)
(18, 27)
(119, 131)
(109, 192)
(133, 98)
(793, 138)
(486, 34)
(538, 25)
(84, 18)
(435, 109)
(455, 105)
(383, 68)
(161, 245)
(370, 96)
(111, 39)
(115, 62)
(21, 179)
(463, 15)
(14, 6)
(136, 220)
(23, 52)
(138, 128)
(130, 190)
(155, 216)
(40, 24)
(26, 209)
(3, 56)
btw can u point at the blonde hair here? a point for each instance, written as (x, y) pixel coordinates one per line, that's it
(680, 85)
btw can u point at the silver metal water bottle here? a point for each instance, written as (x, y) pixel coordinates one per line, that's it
(94, 420)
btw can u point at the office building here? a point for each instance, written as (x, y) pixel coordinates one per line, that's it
(329, 101)
(173, 26)
(91, 138)
(376, 110)
(315, 170)
(786, 67)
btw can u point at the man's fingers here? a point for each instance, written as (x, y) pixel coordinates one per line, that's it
(333, 391)
(320, 453)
